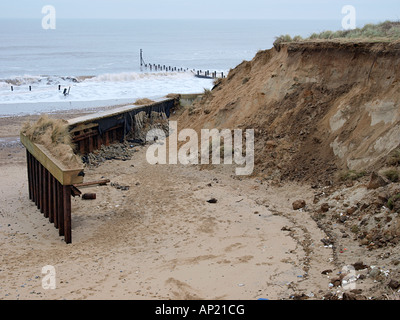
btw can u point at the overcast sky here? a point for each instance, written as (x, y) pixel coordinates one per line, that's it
(197, 9)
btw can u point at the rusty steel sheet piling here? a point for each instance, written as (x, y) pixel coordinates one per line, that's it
(49, 186)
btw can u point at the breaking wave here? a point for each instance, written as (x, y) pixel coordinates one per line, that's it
(135, 76)
(108, 77)
(36, 80)
(47, 92)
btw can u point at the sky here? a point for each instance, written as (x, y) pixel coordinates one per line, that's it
(201, 9)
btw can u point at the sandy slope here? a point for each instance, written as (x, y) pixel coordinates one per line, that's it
(316, 108)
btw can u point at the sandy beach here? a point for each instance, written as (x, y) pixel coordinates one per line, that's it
(306, 100)
(160, 239)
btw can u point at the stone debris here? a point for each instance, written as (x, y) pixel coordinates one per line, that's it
(118, 151)
(298, 204)
(116, 185)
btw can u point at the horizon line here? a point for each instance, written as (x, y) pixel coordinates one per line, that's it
(200, 19)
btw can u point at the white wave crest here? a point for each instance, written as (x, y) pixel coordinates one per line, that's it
(35, 80)
(134, 76)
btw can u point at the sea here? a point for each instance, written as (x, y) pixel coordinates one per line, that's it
(98, 61)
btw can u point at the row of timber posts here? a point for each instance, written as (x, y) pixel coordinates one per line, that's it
(51, 197)
(197, 73)
(65, 91)
(207, 74)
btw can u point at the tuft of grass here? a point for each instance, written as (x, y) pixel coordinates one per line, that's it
(392, 175)
(394, 157)
(392, 200)
(207, 93)
(388, 30)
(54, 135)
(354, 228)
(282, 39)
(351, 175)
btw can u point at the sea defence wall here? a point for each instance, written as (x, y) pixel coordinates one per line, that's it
(186, 100)
(92, 131)
(51, 185)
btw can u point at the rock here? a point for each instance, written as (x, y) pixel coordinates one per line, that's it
(349, 296)
(349, 184)
(356, 291)
(212, 200)
(383, 197)
(119, 187)
(316, 199)
(351, 210)
(298, 204)
(89, 196)
(353, 296)
(394, 284)
(330, 296)
(377, 181)
(359, 265)
(325, 207)
(326, 241)
(364, 242)
(326, 271)
(299, 296)
(362, 277)
(336, 282)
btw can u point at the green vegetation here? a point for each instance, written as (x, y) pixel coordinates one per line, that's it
(392, 175)
(351, 175)
(394, 157)
(385, 31)
(207, 93)
(355, 229)
(392, 200)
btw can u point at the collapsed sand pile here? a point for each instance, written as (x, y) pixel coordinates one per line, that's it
(143, 101)
(145, 122)
(54, 135)
(317, 108)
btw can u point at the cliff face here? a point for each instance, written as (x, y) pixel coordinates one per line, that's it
(316, 107)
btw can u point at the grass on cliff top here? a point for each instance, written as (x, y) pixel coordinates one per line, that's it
(385, 31)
